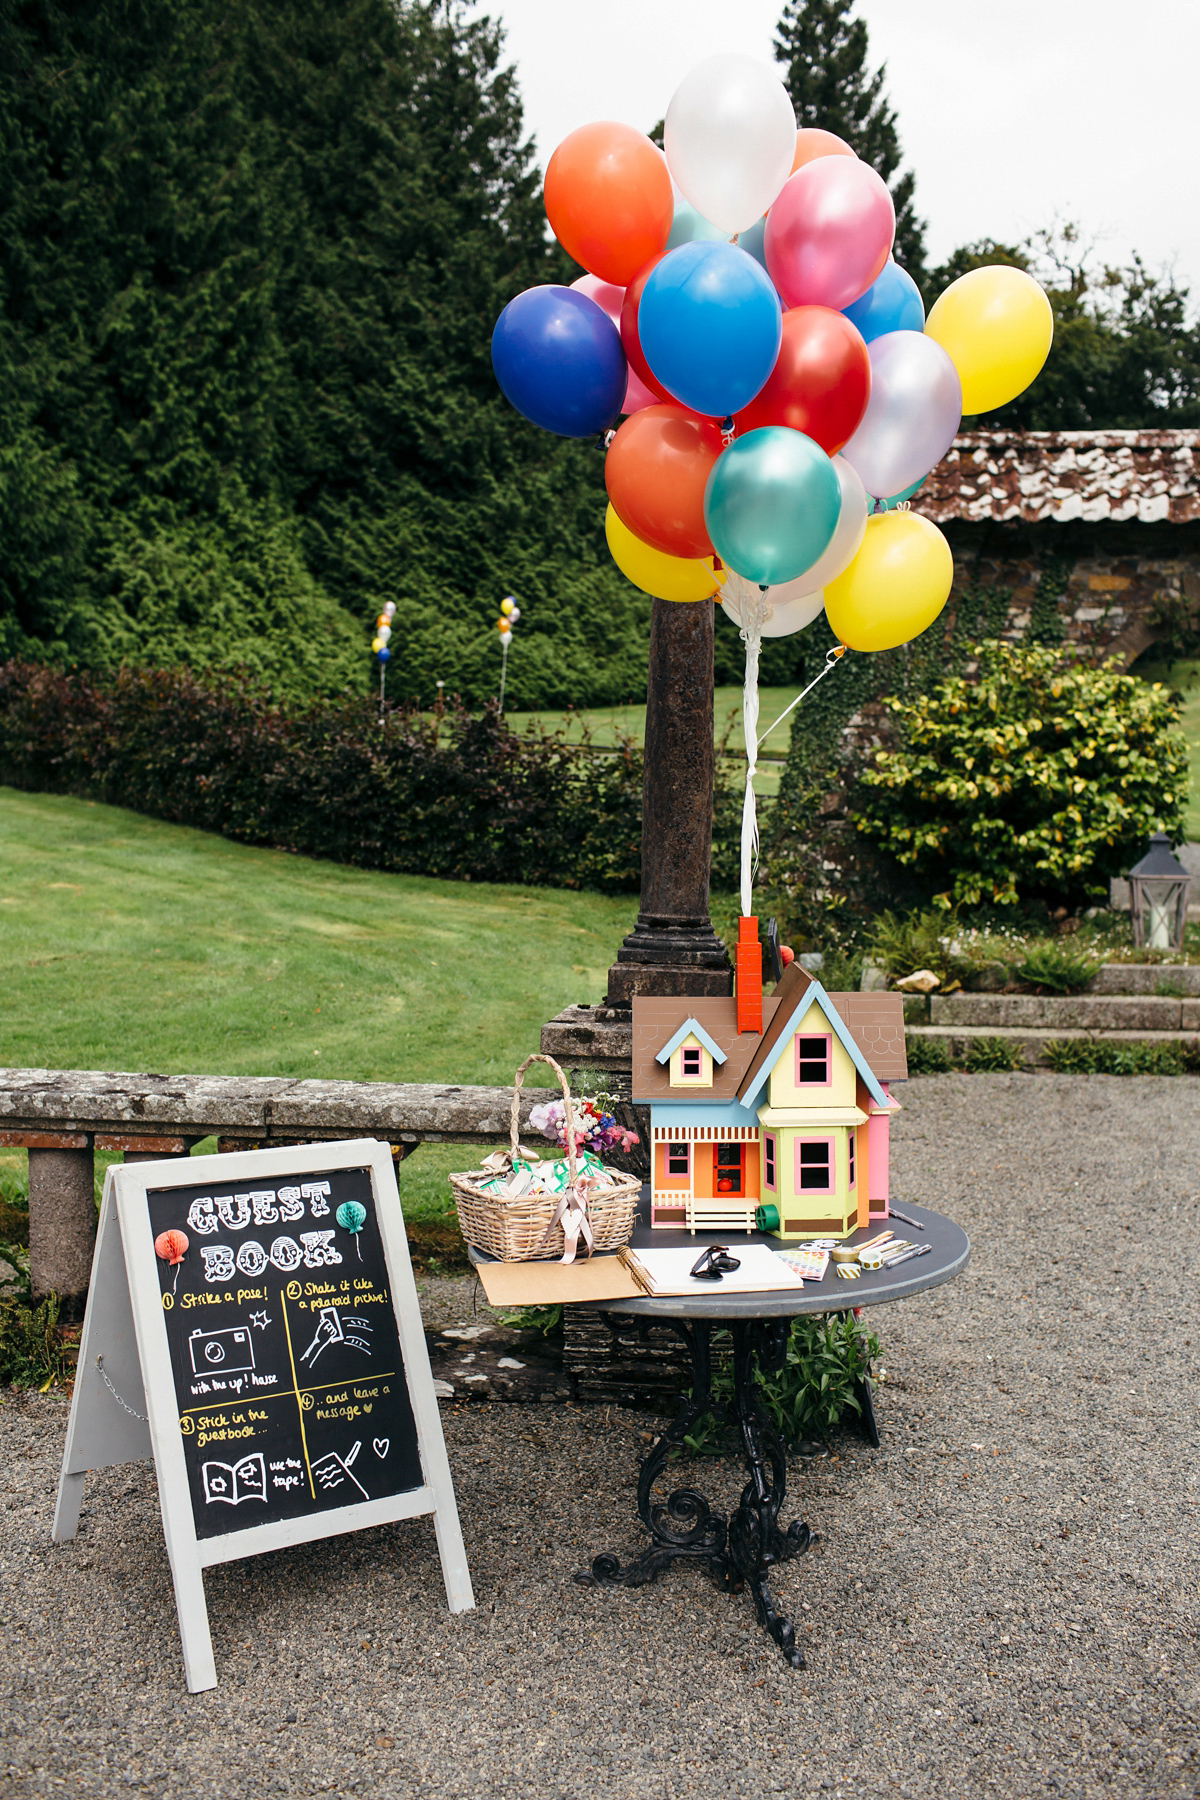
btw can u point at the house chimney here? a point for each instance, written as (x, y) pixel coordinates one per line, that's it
(749, 977)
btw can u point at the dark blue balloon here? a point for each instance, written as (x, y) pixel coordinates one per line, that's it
(891, 303)
(383, 654)
(710, 325)
(558, 359)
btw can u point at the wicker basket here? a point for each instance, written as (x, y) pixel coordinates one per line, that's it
(522, 1228)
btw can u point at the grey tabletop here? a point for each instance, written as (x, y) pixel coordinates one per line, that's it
(948, 1255)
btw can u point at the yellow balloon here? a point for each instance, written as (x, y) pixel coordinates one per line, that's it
(895, 587)
(377, 644)
(996, 326)
(506, 607)
(669, 577)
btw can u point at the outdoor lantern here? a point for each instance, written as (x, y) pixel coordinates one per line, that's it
(1158, 897)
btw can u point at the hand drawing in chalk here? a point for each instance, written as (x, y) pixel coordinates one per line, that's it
(333, 1329)
(172, 1247)
(221, 1352)
(352, 1217)
(235, 1482)
(332, 1472)
(259, 1320)
(381, 1446)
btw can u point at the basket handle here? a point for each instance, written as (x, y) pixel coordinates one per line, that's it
(514, 1128)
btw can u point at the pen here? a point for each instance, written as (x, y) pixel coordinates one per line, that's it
(909, 1254)
(895, 1213)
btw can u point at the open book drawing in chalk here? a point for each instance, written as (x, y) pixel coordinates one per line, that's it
(235, 1482)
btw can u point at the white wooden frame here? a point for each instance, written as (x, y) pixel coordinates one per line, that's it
(125, 1327)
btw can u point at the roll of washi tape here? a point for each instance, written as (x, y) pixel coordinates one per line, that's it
(845, 1253)
(870, 1259)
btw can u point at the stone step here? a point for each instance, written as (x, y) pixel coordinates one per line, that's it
(1067, 1012)
(1033, 1041)
(1147, 978)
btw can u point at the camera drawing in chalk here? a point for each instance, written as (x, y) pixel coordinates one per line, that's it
(221, 1352)
(333, 1329)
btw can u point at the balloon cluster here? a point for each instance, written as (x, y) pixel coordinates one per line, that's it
(510, 612)
(383, 631)
(783, 390)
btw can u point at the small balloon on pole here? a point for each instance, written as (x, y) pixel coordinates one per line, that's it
(380, 648)
(510, 612)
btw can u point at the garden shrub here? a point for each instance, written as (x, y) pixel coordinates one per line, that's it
(1092, 1056)
(1039, 777)
(926, 1055)
(465, 798)
(816, 1388)
(992, 1055)
(1057, 968)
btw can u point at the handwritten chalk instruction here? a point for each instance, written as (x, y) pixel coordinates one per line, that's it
(284, 1349)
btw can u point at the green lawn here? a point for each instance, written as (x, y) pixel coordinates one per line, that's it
(607, 723)
(129, 944)
(1186, 677)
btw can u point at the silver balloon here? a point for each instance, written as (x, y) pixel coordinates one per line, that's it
(912, 416)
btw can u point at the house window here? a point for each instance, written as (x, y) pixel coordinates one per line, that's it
(689, 1063)
(814, 1166)
(812, 1061)
(679, 1161)
(769, 1161)
(852, 1158)
(729, 1168)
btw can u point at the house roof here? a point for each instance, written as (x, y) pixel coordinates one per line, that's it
(691, 1028)
(875, 1022)
(1151, 477)
(791, 1009)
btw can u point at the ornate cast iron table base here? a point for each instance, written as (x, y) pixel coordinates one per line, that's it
(741, 1551)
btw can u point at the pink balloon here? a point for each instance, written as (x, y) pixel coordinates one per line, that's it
(611, 298)
(829, 233)
(606, 295)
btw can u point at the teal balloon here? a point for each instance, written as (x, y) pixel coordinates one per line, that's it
(351, 1216)
(772, 504)
(904, 494)
(688, 227)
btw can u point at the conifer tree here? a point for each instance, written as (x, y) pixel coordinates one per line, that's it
(824, 49)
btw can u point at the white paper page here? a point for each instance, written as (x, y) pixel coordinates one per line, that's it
(759, 1269)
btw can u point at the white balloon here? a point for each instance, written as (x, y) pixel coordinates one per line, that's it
(787, 616)
(389, 609)
(384, 633)
(730, 137)
(912, 416)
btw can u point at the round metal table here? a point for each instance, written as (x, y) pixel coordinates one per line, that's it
(740, 1551)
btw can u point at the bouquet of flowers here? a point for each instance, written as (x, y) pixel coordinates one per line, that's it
(595, 1129)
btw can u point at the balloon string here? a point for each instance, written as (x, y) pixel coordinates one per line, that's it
(175, 1283)
(832, 659)
(754, 609)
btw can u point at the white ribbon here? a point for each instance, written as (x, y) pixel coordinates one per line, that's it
(753, 609)
(572, 1214)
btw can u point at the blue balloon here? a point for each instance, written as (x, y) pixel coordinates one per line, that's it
(688, 227)
(710, 325)
(752, 240)
(384, 655)
(772, 504)
(891, 303)
(558, 359)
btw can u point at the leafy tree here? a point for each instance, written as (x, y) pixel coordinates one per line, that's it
(825, 51)
(249, 265)
(1126, 351)
(1042, 777)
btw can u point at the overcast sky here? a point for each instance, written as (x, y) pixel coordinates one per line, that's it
(1011, 112)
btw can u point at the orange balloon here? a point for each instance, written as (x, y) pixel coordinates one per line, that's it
(812, 142)
(656, 471)
(608, 199)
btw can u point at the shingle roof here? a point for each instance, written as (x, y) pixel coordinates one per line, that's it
(1152, 477)
(874, 1021)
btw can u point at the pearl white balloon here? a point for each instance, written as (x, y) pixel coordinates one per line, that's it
(730, 137)
(384, 633)
(786, 617)
(912, 416)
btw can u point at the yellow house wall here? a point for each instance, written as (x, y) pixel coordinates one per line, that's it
(830, 1209)
(783, 1088)
(677, 1076)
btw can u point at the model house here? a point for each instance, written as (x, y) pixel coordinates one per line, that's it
(792, 1117)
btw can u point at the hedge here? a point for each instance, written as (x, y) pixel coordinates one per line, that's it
(465, 798)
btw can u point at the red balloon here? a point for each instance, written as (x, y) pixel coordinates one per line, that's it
(171, 1245)
(630, 340)
(821, 381)
(656, 471)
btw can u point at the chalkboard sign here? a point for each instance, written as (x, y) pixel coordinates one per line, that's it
(263, 1328)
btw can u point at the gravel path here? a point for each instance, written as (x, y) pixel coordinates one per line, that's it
(1005, 1601)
